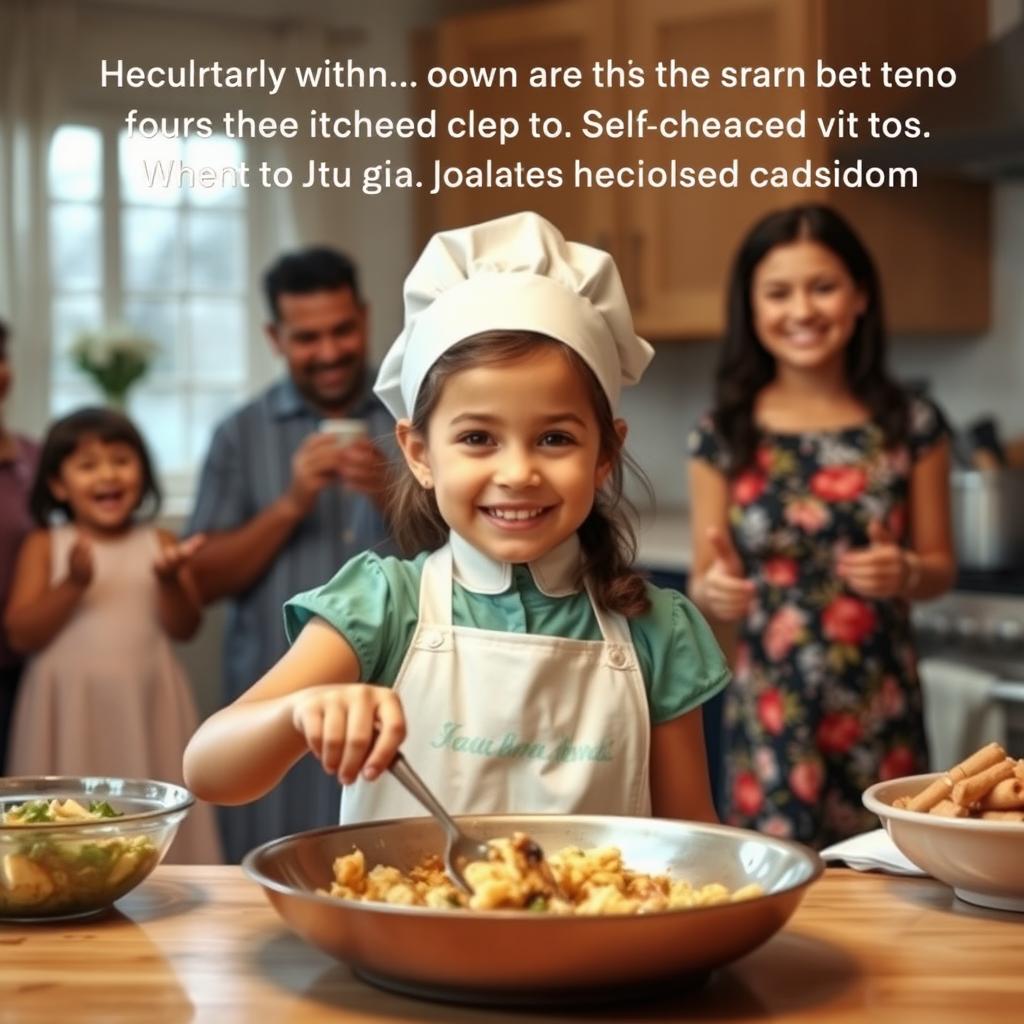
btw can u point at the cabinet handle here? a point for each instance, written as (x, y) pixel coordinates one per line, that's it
(636, 240)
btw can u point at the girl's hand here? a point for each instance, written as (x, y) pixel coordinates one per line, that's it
(80, 563)
(726, 590)
(352, 728)
(173, 557)
(880, 570)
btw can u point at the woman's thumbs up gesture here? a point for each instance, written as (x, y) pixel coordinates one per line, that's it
(881, 569)
(726, 590)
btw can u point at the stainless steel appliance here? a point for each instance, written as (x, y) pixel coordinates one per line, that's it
(988, 518)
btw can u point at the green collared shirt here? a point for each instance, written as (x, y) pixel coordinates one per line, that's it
(374, 603)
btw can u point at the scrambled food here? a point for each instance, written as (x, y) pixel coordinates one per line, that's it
(572, 881)
(987, 785)
(48, 873)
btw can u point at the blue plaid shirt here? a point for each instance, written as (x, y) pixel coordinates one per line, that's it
(247, 468)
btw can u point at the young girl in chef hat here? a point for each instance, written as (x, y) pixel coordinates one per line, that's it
(519, 662)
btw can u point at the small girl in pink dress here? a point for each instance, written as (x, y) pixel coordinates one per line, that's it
(96, 602)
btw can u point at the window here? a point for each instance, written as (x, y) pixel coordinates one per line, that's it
(168, 261)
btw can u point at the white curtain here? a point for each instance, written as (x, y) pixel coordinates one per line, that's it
(36, 39)
(297, 211)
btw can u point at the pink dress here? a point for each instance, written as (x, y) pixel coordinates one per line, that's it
(108, 696)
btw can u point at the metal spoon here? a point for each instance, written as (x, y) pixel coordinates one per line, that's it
(459, 848)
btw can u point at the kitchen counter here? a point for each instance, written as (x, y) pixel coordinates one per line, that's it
(202, 944)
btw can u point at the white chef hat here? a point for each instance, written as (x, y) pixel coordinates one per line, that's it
(516, 273)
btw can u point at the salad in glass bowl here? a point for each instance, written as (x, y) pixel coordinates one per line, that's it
(71, 846)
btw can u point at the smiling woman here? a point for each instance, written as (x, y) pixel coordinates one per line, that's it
(820, 510)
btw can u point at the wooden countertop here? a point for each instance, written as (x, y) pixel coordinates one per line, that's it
(202, 944)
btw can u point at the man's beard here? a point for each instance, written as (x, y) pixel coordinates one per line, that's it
(337, 402)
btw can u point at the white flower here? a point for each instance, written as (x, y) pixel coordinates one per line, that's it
(115, 357)
(100, 348)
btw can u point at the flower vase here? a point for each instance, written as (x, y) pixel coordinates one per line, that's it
(117, 400)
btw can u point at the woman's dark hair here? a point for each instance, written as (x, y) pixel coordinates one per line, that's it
(606, 536)
(746, 366)
(65, 435)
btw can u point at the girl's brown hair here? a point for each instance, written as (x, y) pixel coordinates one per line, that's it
(606, 535)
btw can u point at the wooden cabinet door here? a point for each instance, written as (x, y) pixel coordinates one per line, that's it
(566, 33)
(674, 245)
(679, 241)
(932, 243)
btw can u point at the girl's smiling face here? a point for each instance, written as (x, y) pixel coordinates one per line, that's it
(805, 304)
(513, 454)
(101, 482)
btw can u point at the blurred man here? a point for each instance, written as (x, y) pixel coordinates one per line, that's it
(284, 505)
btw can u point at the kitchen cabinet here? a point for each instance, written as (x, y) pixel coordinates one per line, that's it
(568, 33)
(674, 245)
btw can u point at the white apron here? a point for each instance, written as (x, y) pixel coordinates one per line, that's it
(515, 723)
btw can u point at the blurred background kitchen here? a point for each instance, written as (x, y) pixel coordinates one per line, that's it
(84, 243)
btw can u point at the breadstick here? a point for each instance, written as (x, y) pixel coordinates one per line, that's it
(1007, 795)
(1019, 770)
(1002, 815)
(989, 755)
(928, 798)
(970, 790)
(949, 809)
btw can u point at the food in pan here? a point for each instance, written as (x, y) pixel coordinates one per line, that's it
(571, 881)
(988, 785)
(48, 869)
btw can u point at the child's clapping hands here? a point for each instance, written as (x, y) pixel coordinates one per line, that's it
(174, 555)
(80, 562)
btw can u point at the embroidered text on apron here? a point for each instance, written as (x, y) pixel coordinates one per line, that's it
(515, 723)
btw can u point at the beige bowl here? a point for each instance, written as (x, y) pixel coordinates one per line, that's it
(982, 860)
(506, 957)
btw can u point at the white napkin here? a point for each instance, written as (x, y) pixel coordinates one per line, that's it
(871, 851)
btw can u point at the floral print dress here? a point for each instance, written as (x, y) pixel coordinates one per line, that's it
(825, 699)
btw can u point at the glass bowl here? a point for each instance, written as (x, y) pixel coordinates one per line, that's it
(60, 870)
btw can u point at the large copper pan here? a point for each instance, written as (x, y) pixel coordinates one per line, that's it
(514, 956)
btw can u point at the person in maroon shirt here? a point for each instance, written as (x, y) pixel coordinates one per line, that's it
(18, 457)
